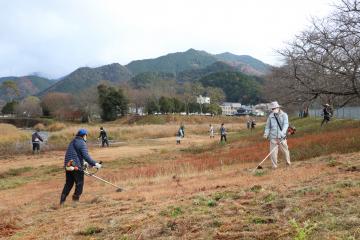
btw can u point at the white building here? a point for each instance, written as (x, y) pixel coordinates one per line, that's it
(138, 111)
(229, 108)
(203, 100)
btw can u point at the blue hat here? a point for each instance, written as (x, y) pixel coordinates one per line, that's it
(82, 132)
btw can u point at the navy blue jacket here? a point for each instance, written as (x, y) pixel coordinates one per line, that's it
(78, 152)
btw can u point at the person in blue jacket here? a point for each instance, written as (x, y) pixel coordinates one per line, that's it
(75, 158)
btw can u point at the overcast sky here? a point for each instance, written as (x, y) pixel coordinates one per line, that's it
(54, 37)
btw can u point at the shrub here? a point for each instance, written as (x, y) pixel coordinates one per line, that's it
(40, 127)
(57, 126)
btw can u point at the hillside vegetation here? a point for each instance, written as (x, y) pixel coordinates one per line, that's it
(27, 85)
(84, 78)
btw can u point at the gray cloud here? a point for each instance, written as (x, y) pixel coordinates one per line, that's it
(55, 37)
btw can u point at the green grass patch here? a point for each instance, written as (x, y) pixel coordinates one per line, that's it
(172, 211)
(306, 190)
(259, 172)
(13, 172)
(348, 184)
(9, 183)
(91, 230)
(302, 231)
(261, 220)
(197, 149)
(226, 195)
(269, 198)
(211, 203)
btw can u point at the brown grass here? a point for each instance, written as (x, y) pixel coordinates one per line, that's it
(8, 224)
(40, 127)
(54, 127)
(204, 193)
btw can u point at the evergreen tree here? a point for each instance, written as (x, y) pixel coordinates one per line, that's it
(112, 102)
(152, 106)
(166, 105)
(9, 107)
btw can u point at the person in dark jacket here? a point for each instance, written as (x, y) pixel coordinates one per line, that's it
(327, 114)
(222, 133)
(75, 158)
(253, 124)
(36, 139)
(104, 138)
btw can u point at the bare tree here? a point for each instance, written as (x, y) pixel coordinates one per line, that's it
(87, 102)
(29, 107)
(57, 104)
(323, 62)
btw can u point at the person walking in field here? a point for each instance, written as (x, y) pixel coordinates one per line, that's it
(179, 135)
(222, 133)
(253, 124)
(36, 139)
(76, 158)
(183, 129)
(104, 138)
(327, 114)
(275, 130)
(211, 130)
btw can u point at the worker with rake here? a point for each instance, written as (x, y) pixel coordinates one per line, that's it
(275, 130)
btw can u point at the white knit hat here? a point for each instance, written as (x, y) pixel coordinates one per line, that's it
(274, 105)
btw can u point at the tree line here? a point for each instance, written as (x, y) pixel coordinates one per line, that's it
(110, 102)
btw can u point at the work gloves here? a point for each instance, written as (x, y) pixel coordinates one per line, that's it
(97, 165)
(86, 165)
(265, 136)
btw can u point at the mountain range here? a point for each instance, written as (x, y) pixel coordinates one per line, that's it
(27, 85)
(185, 66)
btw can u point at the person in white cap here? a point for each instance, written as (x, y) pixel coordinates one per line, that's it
(275, 130)
(327, 114)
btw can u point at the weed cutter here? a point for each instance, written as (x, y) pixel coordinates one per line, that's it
(92, 174)
(259, 165)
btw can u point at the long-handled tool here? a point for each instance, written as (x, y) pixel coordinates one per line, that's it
(259, 165)
(92, 174)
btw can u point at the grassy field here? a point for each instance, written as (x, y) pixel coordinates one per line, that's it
(198, 190)
(123, 130)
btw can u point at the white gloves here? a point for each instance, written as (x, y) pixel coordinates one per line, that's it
(265, 136)
(69, 168)
(86, 165)
(97, 165)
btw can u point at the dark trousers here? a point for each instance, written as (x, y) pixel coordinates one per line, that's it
(36, 146)
(223, 137)
(104, 141)
(325, 120)
(72, 177)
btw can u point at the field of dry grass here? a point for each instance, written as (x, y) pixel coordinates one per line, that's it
(198, 190)
(123, 130)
